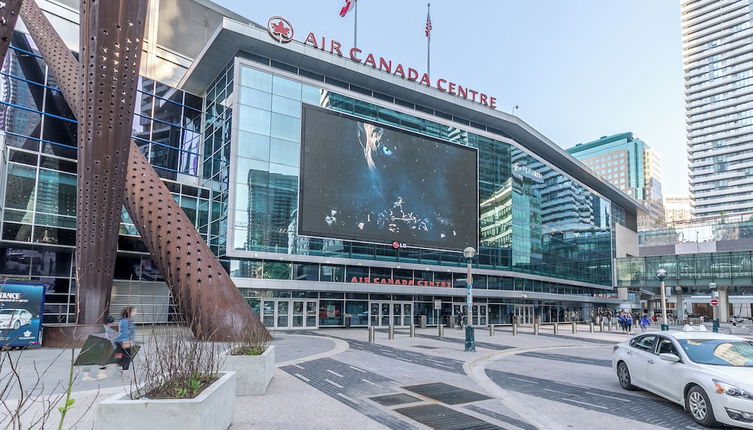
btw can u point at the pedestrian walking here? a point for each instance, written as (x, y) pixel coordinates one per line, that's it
(629, 323)
(645, 323)
(125, 341)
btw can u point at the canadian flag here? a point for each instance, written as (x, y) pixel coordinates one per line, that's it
(349, 5)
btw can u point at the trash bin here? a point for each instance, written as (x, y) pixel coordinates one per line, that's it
(422, 321)
(449, 321)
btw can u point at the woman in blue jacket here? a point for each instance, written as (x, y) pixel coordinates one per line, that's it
(127, 337)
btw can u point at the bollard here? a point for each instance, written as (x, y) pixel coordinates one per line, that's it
(556, 328)
(514, 329)
(491, 329)
(535, 329)
(575, 327)
(601, 326)
(391, 332)
(412, 330)
(372, 331)
(591, 327)
(440, 330)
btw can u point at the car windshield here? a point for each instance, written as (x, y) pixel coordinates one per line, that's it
(719, 352)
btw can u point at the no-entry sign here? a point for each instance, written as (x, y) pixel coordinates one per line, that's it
(714, 302)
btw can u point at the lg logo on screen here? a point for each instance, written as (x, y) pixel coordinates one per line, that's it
(399, 245)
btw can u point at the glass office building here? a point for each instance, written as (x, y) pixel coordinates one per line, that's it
(229, 131)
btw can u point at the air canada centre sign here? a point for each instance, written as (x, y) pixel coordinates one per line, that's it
(281, 30)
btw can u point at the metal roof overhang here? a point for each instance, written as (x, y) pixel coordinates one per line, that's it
(232, 36)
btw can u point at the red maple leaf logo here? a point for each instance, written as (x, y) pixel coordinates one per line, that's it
(279, 28)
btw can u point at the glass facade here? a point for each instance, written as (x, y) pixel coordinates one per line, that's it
(39, 174)
(533, 218)
(688, 270)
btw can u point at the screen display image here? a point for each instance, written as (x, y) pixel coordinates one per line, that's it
(369, 182)
(21, 306)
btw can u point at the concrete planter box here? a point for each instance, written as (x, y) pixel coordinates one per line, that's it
(254, 372)
(211, 410)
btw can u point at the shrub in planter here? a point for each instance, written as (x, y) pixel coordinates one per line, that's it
(210, 409)
(253, 361)
(176, 382)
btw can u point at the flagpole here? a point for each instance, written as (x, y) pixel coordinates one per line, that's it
(428, 45)
(355, 26)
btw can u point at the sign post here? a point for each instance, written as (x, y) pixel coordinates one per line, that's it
(715, 305)
(661, 274)
(470, 338)
(21, 307)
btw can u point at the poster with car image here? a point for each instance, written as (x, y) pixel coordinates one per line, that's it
(21, 306)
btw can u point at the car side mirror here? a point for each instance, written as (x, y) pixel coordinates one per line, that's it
(669, 357)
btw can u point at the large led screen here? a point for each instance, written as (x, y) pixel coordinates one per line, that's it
(369, 182)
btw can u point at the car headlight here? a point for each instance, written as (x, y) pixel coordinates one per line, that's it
(721, 387)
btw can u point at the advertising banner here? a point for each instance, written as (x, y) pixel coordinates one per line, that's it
(371, 182)
(21, 307)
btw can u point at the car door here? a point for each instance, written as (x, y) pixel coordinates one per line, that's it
(640, 351)
(664, 376)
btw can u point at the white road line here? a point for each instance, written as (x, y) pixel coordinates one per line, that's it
(335, 384)
(335, 373)
(300, 367)
(370, 382)
(609, 397)
(347, 398)
(557, 391)
(303, 377)
(522, 380)
(355, 368)
(585, 403)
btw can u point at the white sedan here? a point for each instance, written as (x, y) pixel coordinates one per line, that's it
(710, 374)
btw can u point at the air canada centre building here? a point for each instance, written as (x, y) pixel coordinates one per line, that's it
(338, 187)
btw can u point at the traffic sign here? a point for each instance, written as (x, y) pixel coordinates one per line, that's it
(714, 302)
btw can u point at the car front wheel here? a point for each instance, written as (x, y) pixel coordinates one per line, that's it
(699, 406)
(623, 375)
(16, 325)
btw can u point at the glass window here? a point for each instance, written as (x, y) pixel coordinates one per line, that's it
(253, 145)
(286, 127)
(311, 95)
(21, 184)
(357, 312)
(306, 271)
(330, 312)
(254, 120)
(286, 106)
(285, 152)
(286, 88)
(57, 192)
(332, 273)
(255, 79)
(256, 98)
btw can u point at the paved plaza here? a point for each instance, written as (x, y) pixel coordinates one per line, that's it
(331, 378)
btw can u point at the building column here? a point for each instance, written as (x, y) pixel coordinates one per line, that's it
(723, 304)
(680, 305)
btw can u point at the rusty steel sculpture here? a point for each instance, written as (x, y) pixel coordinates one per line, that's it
(101, 92)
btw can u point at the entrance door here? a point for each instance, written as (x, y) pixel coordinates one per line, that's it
(286, 313)
(480, 318)
(382, 314)
(524, 314)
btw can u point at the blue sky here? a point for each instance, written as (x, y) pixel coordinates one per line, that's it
(578, 69)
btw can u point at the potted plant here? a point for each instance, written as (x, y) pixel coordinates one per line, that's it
(177, 381)
(253, 361)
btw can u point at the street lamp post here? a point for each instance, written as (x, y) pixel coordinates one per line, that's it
(661, 274)
(470, 339)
